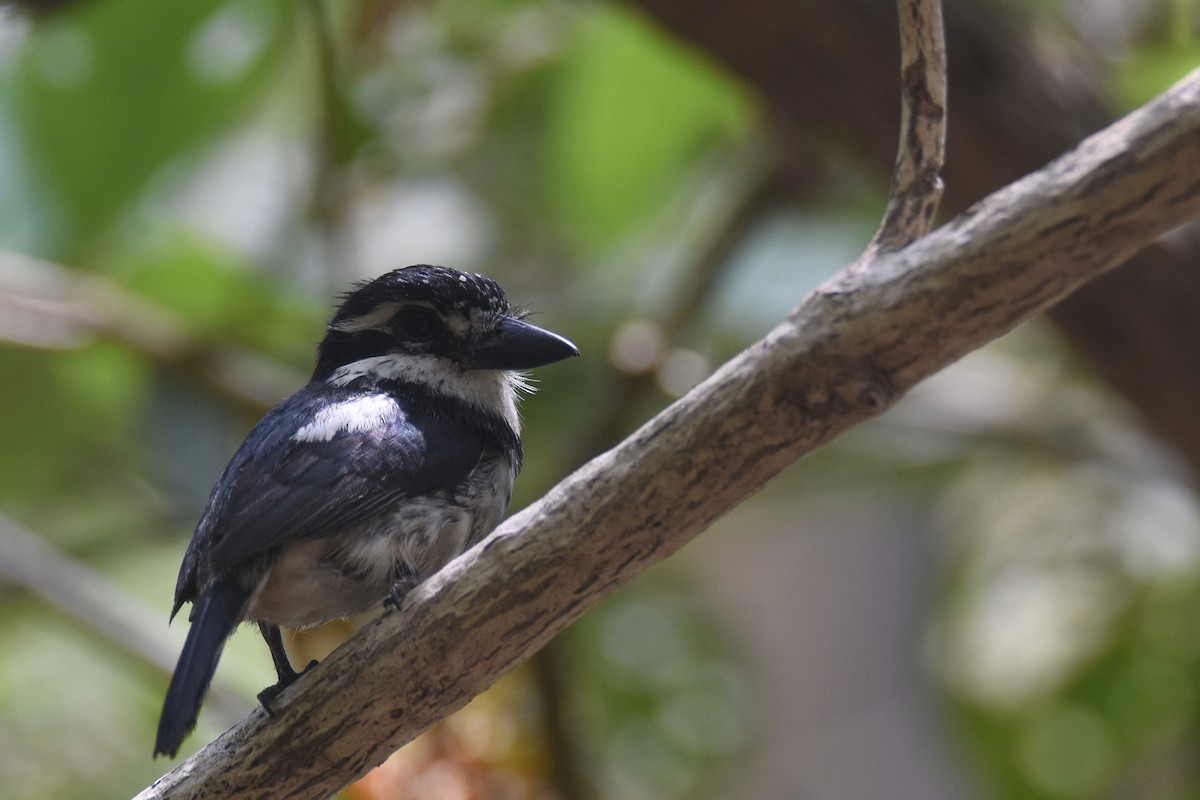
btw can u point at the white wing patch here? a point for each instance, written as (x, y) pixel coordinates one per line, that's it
(360, 414)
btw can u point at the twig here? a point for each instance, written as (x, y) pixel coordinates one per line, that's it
(845, 354)
(99, 605)
(329, 203)
(917, 176)
(48, 305)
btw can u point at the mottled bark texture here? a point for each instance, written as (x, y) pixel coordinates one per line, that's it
(825, 70)
(846, 353)
(917, 177)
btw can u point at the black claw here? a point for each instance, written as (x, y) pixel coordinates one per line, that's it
(404, 584)
(267, 698)
(268, 695)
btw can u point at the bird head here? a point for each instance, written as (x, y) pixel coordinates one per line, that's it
(423, 324)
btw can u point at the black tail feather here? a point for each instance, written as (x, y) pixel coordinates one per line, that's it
(215, 615)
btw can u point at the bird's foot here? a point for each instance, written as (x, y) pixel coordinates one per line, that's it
(400, 588)
(268, 695)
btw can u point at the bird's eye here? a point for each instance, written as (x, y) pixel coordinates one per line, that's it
(416, 323)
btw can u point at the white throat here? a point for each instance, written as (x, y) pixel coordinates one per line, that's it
(492, 391)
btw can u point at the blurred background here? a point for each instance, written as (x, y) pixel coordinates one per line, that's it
(993, 591)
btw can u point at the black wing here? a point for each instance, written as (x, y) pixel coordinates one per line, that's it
(319, 463)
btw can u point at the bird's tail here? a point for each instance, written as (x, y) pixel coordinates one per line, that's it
(215, 614)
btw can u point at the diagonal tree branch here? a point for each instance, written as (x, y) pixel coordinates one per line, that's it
(1020, 99)
(101, 607)
(845, 354)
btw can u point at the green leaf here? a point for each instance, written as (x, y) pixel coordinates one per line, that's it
(62, 413)
(630, 110)
(1151, 69)
(218, 299)
(107, 93)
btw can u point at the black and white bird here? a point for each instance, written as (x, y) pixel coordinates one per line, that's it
(397, 456)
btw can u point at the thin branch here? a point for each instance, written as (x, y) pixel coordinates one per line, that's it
(43, 304)
(330, 201)
(917, 176)
(99, 605)
(846, 353)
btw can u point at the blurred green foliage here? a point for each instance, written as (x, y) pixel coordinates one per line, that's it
(1166, 47)
(110, 94)
(621, 83)
(227, 166)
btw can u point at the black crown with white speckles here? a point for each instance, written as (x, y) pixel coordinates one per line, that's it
(447, 290)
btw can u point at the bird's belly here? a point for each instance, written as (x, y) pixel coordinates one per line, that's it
(313, 581)
(317, 580)
(302, 589)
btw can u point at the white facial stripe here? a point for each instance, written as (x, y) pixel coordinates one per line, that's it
(490, 390)
(360, 414)
(378, 317)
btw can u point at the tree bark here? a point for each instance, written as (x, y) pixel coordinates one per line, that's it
(844, 354)
(825, 71)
